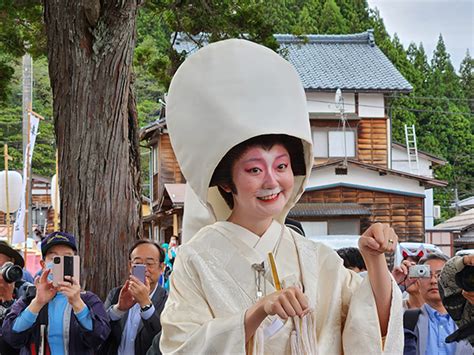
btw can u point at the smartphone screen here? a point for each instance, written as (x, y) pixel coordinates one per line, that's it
(138, 271)
(69, 266)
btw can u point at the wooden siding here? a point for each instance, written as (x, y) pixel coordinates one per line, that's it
(404, 213)
(168, 168)
(371, 146)
(372, 141)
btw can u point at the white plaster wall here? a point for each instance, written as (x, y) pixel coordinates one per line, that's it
(371, 105)
(400, 162)
(364, 177)
(429, 210)
(325, 102)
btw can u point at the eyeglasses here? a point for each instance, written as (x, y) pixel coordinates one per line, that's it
(436, 275)
(149, 264)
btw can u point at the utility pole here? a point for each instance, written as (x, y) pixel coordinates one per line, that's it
(456, 200)
(27, 106)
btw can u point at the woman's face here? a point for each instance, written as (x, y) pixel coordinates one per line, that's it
(264, 182)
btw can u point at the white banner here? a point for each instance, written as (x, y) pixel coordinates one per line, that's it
(19, 228)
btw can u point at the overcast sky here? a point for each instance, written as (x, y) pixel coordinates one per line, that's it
(423, 20)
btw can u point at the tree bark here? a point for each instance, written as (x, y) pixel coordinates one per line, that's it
(90, 50)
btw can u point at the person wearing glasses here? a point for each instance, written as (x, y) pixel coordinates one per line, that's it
(135, 308)
(426, 328)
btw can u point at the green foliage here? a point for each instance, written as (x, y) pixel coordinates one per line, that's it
(437, 88)
(467, 80)
(21, 30)
(44, 159)
(332, 21)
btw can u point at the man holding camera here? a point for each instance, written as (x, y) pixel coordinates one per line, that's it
(57, 319)
(427, 328)
(456, 286)
(11, 264)
(135, 308)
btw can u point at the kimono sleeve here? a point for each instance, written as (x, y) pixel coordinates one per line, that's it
(188, 323)
(361, 332)
(16, 340)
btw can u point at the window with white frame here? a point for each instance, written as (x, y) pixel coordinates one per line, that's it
(315, 228)
(329, 143)
(154, 157)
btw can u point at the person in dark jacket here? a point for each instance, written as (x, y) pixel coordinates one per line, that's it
(57, 320)
(427, 328)
(135, 308)
(458, 302)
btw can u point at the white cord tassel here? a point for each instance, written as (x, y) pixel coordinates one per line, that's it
(303, 338)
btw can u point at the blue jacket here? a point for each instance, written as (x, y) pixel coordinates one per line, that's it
(81, 340)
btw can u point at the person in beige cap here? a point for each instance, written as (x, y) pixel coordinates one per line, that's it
(243, 282)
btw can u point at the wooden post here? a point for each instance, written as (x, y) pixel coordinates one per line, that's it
(175, 224)
(56, 196)
(28, 186)
(7, 195)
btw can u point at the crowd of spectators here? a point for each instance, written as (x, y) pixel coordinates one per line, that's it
(439, 313)
(63, 318)
(45, 317)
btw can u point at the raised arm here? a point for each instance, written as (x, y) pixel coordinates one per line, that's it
(373, 244)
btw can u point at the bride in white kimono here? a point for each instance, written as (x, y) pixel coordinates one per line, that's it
(239, 126)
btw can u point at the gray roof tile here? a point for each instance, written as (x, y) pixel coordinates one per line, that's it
(328, 62)
(348, 62)
(328, 210)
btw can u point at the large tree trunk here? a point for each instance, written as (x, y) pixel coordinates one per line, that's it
(90, 50)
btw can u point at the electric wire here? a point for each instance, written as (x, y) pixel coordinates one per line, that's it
(398, 107)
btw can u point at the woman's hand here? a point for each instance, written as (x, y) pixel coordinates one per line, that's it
(377, 240)
(285, 303)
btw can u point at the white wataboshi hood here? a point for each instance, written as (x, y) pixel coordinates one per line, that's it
(222, 95)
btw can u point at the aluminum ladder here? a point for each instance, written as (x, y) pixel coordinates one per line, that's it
(412, 150)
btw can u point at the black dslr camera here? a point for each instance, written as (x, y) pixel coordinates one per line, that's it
(11, 273)
(465, 278)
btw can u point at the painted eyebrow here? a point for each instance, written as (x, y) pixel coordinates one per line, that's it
(260, 159)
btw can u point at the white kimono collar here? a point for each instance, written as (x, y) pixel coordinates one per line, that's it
(264, 244)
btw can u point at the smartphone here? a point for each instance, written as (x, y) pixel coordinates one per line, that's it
(138, 270)
(419, 271)
(65, 266)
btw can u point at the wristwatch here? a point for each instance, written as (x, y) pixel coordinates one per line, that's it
(146, 307)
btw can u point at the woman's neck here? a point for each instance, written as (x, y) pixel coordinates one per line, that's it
(258, 227)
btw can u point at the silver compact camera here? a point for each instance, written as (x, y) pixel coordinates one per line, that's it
(419, 271)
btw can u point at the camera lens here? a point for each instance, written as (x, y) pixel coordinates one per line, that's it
(465, 278)
(56, 260)
(12, 273)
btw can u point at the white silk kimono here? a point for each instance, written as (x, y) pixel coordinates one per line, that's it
(221, 96)
(213, 284)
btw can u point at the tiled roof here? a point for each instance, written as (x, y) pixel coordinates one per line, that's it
(457, 222)
(328, 209)
(426, 181)
(176, 193)
(328, 62)
(348, 62)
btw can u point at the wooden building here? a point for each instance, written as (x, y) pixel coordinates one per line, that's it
(453, 234)
(355, 180)
(167, 184)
